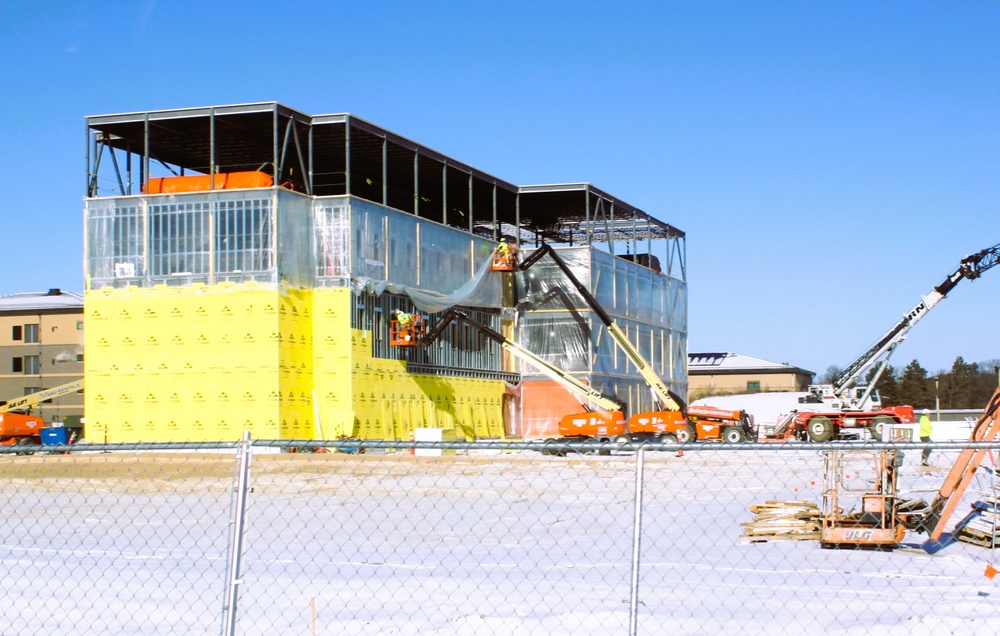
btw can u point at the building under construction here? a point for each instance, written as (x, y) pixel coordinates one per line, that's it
(244, 262)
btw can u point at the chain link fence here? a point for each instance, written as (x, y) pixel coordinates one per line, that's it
(477, 538)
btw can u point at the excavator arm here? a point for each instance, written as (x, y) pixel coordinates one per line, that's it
(668, 400)
(566, 380)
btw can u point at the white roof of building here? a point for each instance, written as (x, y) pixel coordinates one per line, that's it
(706, 363)
(40, 301)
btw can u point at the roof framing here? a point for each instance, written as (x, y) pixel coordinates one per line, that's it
(340, 154)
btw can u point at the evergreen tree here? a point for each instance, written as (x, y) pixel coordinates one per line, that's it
(961, 384)
(985, 383)
(888, 388)
(912, 387)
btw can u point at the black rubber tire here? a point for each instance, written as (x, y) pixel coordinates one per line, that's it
(687, 434)
(733, 435)
(875, 428)
(549, 446)
(25, 446)
(668, 438)
(820, 429)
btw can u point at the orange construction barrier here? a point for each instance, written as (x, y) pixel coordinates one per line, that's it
(203, 182)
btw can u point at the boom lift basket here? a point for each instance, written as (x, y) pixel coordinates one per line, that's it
(505, 258)
(407, 333)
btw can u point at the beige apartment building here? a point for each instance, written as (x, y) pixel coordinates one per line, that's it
(733, 373)
(41, 347)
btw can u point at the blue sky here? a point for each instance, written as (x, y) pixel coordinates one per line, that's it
(829, 162)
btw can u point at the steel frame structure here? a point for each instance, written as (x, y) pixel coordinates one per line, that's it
(340, 154)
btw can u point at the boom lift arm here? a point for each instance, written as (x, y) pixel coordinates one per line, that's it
(581, 390)
(987, 429)
(667, 399)
(878, 354)
(26, 402)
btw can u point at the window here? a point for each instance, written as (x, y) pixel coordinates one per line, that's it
(31, 334)
(753, 385)
(15, 332)
(79, 325)
(79, 357)
(28, 390)
(31, 365)
(17, 365)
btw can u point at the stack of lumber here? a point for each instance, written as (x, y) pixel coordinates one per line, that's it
(983, 529)
(782, 521)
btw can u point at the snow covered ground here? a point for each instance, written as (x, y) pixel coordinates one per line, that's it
(487, 543)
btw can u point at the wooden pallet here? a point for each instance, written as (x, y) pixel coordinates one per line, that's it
(983, 529)
(776, 520)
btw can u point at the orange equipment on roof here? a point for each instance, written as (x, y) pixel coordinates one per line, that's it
(406, 330)
(203, 182)
(504, 258)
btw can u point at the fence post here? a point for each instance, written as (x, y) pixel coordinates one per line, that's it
(237, 519)
(633, 623)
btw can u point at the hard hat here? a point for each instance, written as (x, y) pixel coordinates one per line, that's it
(926, 411)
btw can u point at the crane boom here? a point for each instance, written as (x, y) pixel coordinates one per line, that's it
(28, 401)
(566, 380)
(971, 267)
(668, 399)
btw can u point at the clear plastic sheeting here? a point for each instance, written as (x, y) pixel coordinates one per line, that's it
(115, 239)
(560, 338)
(184, 239)
(436, 266)
(331, 238)
(556, 322)
(482, 290)
(295, 256)
(392, 246)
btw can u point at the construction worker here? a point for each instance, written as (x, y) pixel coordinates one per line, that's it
(405, 323)
(925, 434)
(503, 250)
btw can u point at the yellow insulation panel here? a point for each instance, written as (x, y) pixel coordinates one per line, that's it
(194, 363)
(205, 363)
(389, 402)
(332, 352)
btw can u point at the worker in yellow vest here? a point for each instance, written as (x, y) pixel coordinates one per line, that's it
(925, 434)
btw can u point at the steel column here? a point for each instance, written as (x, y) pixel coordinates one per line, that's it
(347, 155)
(211, 147)
(416, 183)
(144, 177)
(274, 142)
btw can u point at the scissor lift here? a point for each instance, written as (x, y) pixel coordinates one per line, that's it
(859, 499)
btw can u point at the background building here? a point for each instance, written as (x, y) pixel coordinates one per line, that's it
(730, 373)
(41, 347)
(251, 283)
